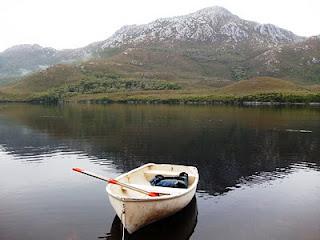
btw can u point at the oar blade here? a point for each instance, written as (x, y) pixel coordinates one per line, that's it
(77, 170)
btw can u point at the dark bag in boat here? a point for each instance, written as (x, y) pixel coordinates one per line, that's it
(180, 181)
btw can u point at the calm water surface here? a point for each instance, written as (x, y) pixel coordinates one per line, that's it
(258, 181)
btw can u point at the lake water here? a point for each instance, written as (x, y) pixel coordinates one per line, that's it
(258, 181)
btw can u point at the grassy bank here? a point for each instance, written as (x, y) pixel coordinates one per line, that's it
(183, 97)
(117, 89)
(174, 98)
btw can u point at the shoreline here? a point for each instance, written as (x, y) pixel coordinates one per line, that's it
(175, 98)
(168, 102)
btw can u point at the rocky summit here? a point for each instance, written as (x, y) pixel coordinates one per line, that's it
(215, 24)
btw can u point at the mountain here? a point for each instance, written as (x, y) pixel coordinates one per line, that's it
(23, 59)
(211, 25)
(201, 51)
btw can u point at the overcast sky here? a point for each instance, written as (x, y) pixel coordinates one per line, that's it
(76, 23)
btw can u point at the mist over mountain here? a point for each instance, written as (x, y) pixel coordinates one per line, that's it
(24, 59)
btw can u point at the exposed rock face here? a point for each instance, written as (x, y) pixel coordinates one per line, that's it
(214, 24)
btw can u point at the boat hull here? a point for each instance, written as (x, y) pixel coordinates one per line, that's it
(137, 210)
(137, 214)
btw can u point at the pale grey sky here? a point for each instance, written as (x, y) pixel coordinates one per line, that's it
(76, 23)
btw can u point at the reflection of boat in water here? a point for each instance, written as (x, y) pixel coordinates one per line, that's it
(176, 227)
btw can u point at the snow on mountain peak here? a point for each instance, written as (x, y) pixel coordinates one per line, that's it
(275, 33)
(216, 10)
(213, 24)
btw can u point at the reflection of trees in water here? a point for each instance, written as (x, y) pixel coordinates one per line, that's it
(225, 143)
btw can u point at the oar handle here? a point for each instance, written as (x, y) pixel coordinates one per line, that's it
(93, 175)
(113, 181)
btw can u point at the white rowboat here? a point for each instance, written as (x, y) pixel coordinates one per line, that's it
(136, 209)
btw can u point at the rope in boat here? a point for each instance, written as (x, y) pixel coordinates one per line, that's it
(123, 220)
(122, 231)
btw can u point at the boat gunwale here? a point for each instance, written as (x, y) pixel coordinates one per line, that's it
(160, 198)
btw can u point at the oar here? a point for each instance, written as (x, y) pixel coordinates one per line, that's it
(113, 181)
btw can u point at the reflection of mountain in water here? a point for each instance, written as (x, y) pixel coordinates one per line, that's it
(227, 144)
(177, 227)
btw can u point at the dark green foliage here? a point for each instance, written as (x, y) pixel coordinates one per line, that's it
(104, 85)
(48, 98)
(114, 84)
(281, 97)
